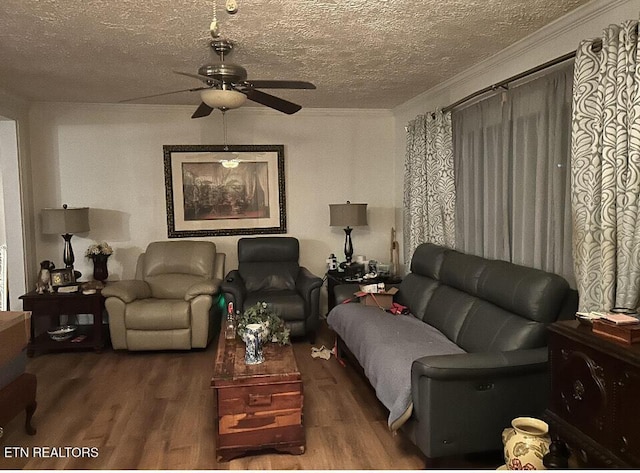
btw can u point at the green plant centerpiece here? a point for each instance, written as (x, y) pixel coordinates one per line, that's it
(261, 313)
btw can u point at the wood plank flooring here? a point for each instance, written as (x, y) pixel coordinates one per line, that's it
(155, 411)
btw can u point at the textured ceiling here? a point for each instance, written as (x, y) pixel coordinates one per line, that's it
(359, 53)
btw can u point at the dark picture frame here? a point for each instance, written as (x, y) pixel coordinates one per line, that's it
(215, 190)
(62, 277)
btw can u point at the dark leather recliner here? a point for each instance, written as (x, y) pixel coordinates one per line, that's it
(268, 271)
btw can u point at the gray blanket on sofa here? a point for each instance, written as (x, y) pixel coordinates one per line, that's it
(386, 345)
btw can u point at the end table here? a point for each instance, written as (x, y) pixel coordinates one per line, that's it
(337, 278)
(46, 310)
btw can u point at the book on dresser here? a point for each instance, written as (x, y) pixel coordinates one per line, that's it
(629, 333)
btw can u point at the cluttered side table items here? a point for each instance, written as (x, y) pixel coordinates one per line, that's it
(354, 276)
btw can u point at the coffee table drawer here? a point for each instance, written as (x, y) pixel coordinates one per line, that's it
(264, 421)
(290, 435)
(252, 399)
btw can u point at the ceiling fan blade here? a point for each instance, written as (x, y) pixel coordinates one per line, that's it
(271, 101)
(203, 110)
(281, 84)
(164, 93)
(199, 77)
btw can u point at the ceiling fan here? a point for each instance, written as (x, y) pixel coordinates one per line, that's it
(227, 86)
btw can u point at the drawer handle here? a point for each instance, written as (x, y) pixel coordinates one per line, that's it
(259, 399)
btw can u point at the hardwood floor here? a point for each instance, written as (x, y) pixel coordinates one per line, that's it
(155, 411)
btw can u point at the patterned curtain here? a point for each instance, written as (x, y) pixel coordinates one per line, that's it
(429, 184)
(605, 166)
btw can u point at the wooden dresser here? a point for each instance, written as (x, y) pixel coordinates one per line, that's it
(595, 390)
(258, 407)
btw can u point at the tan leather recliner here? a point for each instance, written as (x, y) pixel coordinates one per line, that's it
(171, 304)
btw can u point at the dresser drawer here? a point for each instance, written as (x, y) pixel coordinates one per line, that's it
(259, 398)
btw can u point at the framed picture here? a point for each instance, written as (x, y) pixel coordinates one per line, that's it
(214, 190)
(62, 277)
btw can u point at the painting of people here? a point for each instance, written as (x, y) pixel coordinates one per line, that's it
(213, 191)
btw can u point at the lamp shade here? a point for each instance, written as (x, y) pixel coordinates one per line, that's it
(65, 220)
(225, 99)
(347, 215)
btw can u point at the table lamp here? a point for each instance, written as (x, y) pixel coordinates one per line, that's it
(65, 221)
(347, 215)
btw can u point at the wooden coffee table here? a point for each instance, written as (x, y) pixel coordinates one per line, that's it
(258, 407)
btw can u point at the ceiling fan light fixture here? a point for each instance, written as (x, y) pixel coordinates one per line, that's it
(223, 99)
(230, 163)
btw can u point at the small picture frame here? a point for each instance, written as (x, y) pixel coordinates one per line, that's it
(62, 277)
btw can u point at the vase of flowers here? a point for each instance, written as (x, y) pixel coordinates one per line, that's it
(261, 313)
(99, 253)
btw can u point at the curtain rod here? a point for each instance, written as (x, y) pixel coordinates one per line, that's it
(597, 46)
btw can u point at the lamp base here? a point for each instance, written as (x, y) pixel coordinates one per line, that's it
(68, 257)
(67, 254)
(348, 245)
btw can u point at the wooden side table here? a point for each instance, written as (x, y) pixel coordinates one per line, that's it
(46, 310)
(595, 385)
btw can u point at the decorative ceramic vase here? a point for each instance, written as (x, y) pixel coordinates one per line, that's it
(525, 444)
(253, 338)
(100, 271)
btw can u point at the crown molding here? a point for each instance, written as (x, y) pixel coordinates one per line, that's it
(536, 41)
(244, 110)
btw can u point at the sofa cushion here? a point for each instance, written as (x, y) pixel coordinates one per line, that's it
(427, 260)
(150, 314)
(531, 293)
(289, 305)
(462, 271)
(386, 346)
(263, 276)
(448, 309)
(185, 257)
(489, 328)
(172, 285)
(268, 249)
(416, 292)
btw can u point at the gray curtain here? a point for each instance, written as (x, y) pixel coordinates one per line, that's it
(512, 174)
(429, 183)
(605, 165)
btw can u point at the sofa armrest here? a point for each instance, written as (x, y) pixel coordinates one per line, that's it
(306, 282)
(208, 287)
(128, 290)
(462, 402)
(234, 289)
(481, 365)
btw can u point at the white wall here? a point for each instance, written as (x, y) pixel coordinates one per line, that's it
(109, 158)
(550, 42)
(11, 218)
(16, 188)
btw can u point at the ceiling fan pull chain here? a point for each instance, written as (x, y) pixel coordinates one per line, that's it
(213, 28)
(224, 129)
